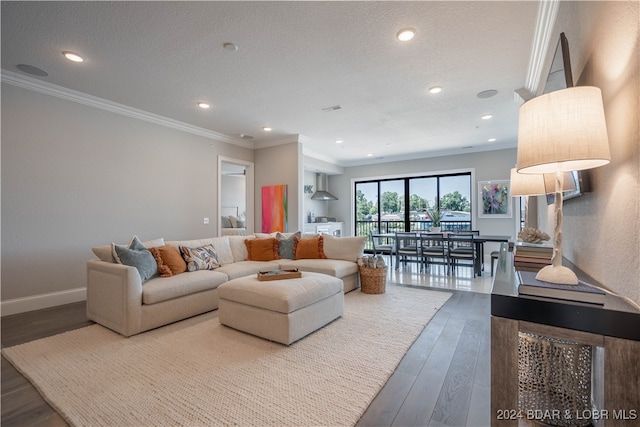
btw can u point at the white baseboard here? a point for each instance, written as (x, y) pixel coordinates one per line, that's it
(37, 302)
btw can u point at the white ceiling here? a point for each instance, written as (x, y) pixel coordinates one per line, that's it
(293, 60)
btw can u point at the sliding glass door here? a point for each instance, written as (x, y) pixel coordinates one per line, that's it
(402, 204)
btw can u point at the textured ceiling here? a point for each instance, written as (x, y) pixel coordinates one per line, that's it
(293, 60)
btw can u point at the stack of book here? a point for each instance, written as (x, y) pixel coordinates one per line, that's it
(582, 292)
(532, 256)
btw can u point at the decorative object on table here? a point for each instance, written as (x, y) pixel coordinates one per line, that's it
(494, 199)
(373, 274)
(532, 235)
(275, 208)
(559, 132)
(279, 274)
(435, 215)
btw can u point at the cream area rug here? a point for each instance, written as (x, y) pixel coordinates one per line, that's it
(200, 373)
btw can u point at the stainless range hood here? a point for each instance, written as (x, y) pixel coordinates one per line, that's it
(321, 193)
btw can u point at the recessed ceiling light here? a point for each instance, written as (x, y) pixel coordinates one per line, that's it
(487, 117)
(266, 129)
(339, 141)
(406, 34)
(369, 154)
(72, 56)
(245, 136)
(491, 139)
(204, 105)
(435, 89)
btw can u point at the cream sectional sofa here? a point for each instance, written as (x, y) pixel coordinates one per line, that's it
(118, 299)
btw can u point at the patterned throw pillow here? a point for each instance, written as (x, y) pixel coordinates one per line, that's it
(136, 255)
(286, 244)
(201, 258)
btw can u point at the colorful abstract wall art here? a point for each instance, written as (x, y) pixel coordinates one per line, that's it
(494, 199)
(275, 208)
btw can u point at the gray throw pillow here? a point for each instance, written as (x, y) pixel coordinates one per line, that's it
(285, 249)
(136, 255)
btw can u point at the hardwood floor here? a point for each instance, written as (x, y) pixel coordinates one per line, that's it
(443, 380)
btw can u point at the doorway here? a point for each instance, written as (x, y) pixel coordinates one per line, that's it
(235, 195)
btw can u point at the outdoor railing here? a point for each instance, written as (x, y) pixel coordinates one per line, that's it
(365, 228)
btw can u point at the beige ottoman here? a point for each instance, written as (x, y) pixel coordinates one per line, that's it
(281, 310)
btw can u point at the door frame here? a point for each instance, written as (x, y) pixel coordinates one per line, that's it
(249, 193)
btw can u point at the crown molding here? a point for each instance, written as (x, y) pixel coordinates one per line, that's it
(547, 14)
(51, 89)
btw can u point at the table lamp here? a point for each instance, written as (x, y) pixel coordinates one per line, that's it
(559, 132)
(535, 184)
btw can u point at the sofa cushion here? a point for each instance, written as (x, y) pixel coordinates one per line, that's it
(332, 267)
(308, 248)
(238, 248)
(105, 252)
(223, 249)
(246, 268)
(166, 288)
(262, 249)
(136, 255)
(169, 260)
(285, 249)
(201, 258)
(345, 248)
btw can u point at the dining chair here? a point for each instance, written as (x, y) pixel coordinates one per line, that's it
(434, 250)
(408, 248)
(462, 252)
(382, 246)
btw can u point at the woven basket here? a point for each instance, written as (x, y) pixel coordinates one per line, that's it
(373, 280)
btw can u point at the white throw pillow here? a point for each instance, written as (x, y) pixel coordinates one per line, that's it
(238, 248)
(345, 248)
(223, 249)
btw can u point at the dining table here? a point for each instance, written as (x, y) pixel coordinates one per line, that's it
(478, 239)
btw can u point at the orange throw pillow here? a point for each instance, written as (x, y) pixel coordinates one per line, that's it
(262, 249)
(169, 260)
(308, 248)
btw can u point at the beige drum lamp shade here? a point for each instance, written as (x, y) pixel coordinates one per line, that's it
(563, 131)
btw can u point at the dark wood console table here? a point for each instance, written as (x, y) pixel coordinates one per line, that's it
(613, 329)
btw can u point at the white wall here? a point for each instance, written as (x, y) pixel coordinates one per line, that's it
(74, 177)
(602, 228)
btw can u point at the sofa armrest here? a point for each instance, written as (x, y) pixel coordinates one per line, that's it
(114, 296)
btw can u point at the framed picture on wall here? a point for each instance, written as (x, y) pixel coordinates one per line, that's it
(494, 199)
